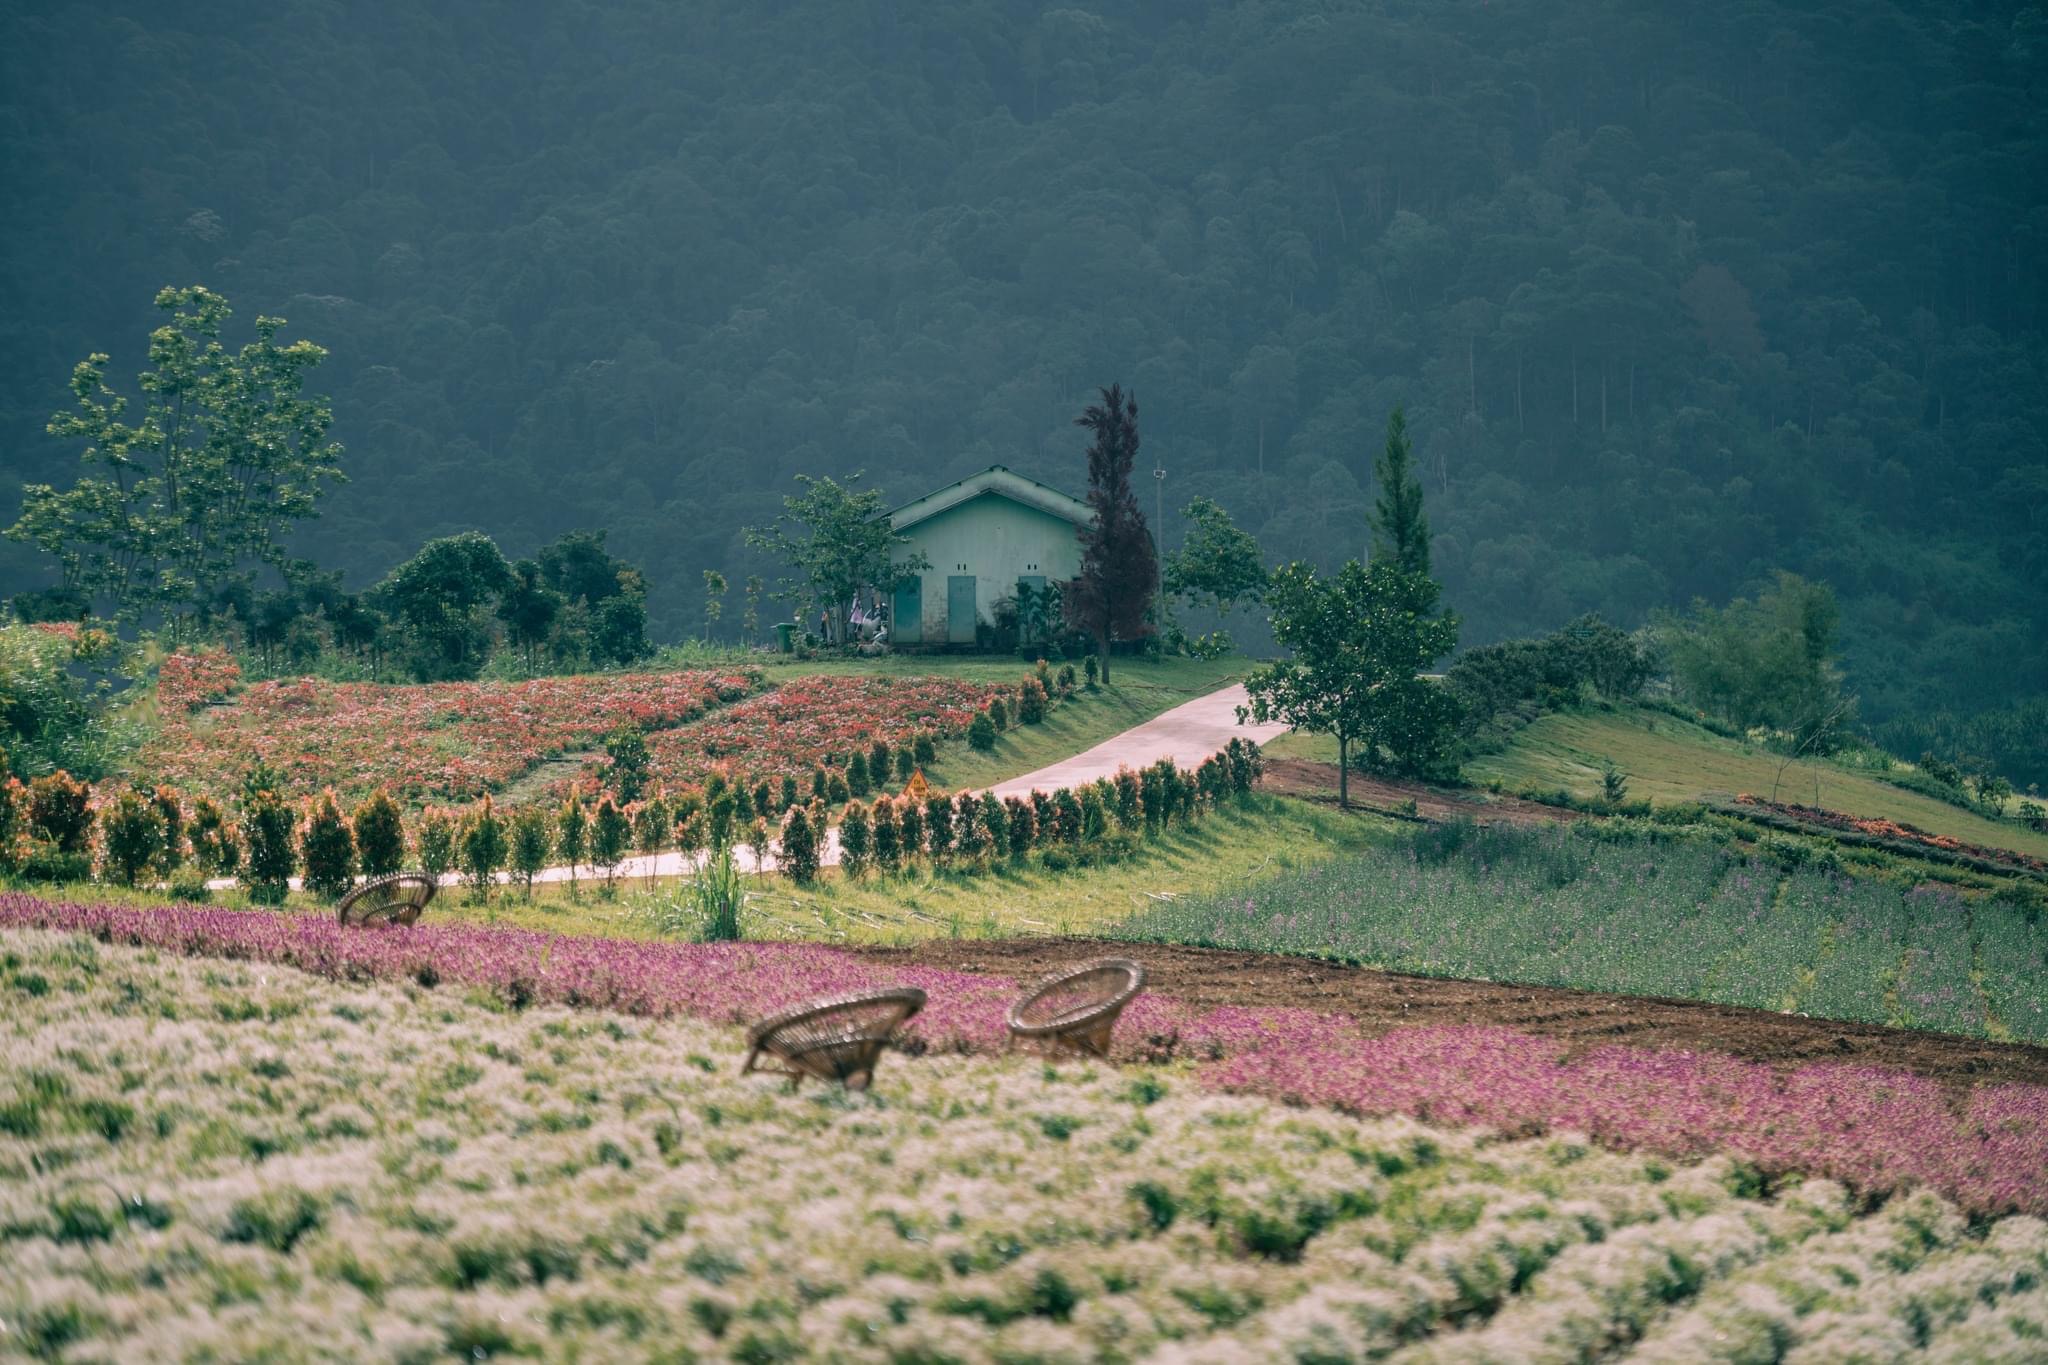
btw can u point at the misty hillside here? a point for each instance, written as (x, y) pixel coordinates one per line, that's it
(1673, 297)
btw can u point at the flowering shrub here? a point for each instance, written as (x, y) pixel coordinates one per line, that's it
(186, 682)
(1877, 1130)
(437, 742)
(425, 1177)
(790, 731)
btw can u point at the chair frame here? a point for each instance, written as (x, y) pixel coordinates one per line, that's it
(1084, 1029)
(847, 1054)
(371, 902)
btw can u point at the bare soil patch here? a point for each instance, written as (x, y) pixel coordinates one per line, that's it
(1208, 977)
(1309, 780)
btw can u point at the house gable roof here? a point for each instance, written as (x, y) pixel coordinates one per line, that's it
(1001, 482)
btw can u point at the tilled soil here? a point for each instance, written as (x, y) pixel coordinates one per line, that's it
(1208, 977)
(1312, 781)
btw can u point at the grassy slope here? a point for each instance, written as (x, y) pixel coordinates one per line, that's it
(1669, 760)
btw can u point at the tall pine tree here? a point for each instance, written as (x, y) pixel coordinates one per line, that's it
(1119, 571)
(1400, 531)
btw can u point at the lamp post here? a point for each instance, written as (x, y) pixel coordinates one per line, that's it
(1159, 520)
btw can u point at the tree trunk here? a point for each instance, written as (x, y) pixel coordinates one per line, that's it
(1343, 770)
(1102, 647)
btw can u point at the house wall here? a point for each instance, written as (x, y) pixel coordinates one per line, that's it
(998, 541)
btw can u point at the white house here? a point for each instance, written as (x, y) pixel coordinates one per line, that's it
(984, 537)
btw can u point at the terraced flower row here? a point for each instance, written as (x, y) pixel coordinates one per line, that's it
(1878, 1130)
(1561, 907)
(434, 742)
(811, 720)
(230, 1161)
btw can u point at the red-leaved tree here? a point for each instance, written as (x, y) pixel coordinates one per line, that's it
(1119, 571)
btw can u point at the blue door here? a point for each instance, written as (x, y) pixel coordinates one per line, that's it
(960, 609)
(906, 613)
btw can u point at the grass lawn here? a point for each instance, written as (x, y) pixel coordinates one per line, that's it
(1669, 761)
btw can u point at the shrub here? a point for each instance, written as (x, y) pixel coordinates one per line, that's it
(1095, 810)
(887, 835)
(532, 840)
(60, 812)
(758, 839)
(938, 827)
(327, 849)
(1613, 784)
(1091, 667)
(1066, 680)
(927, 752)
(131, 831)
(742, 806)
(789, 792)
(626, 747)
(1022, 827)
(170, 808)
(436, 842)
(483, 847)
(380, 835)
(857, 774)
(764, 799)
(798, 852)
(1152, 797)
(13, 820)
(837, 793)
(995, 822)
(1067, 815)
(216, 844)
(572, 836)
(269, 826)
(609, 830)
(879, 759)
(999, 714)
(981, 735)
(654, 825)
(910, 822)
(856, 841)
(1031, 702)
(1045, 817)
(721, 821)
(1129, 802)
(719, 896)
(970, 836)
(906, 764)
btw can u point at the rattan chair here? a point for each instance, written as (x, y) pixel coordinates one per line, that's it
(396, 899)
(1075, 1010)
(835, 1039)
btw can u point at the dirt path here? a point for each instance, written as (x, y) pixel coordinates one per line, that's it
(1208, 977)
(1313, 781)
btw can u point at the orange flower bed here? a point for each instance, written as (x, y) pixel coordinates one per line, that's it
(1892, 831)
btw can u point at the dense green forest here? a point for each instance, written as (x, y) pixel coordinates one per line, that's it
(1675, 296)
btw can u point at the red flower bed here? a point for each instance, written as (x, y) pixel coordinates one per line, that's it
(186, 682)
(435, 742)
(1888, 832)
(794, 728)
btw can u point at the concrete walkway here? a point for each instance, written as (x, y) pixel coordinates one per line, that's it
(1187, 734)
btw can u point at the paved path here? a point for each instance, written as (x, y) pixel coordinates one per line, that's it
(1187, 734)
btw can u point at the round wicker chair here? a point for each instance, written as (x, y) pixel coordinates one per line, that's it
(1075, 1010)
(396, 899)
(835, 1039)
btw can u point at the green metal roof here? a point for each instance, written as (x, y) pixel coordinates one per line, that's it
(1003, 483)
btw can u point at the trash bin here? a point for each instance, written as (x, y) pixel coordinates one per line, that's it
(785, 636)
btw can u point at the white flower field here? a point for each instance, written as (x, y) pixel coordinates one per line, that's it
(204, 1159)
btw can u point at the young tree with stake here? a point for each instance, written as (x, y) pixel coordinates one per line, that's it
(1119, 571)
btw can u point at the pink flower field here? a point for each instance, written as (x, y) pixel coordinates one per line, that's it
(1877, 1131)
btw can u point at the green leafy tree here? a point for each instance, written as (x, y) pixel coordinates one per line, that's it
(327, 849)
(750, 619)
(170, 809)
(714, 601)
(839, 541)
(529, 608)
(437, 842)
(856, 840)
(227, 456)
(1217, 565)
(797, 851)
(1357, 640)
(1119, 568)
(131, 831)
(380, 834)
(442, 597)
(1400, 529)
(60, 812)
(981, 734)
(532, 840)
(1768, 662)
(629, 762)
(482, 846)
(609, 832)
(572, 836)
(216, 844)
(268, 826)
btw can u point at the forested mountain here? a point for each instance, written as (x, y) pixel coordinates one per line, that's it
(1675, 294)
